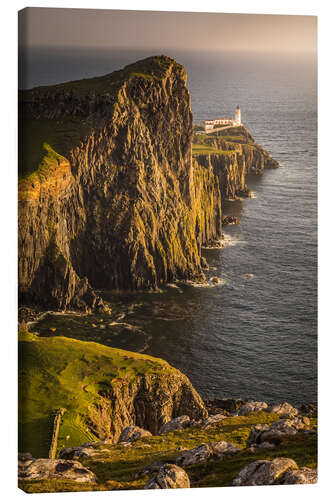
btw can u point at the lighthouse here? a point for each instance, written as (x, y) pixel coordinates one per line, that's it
(238, 116)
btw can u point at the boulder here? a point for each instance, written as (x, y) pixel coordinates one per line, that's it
(200, 453)
(175, 424)
(264, 472)
(132, 433)
(310, 410)
(78, 452)
(169, 476)
(251, 406)
(45, 468)
(222, 449)
(228, 405)
(284, 410)
(218, 450)
(301, 476)
(213, 419)
(283, 427)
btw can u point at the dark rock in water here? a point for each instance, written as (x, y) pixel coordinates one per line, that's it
(218, 405)
(44, 468)
(133, 433)
(27, 314)
(204, 263)
(169, 476)
(310, 410)
(230, 220)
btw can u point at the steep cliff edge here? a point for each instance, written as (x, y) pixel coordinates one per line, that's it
(102, 389)
(232, 154)
(108, 197)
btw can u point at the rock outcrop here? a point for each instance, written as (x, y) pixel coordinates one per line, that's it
(44, 468)
(206, 451)
(132, 433)
(108, 194)
(176, 424)
(237, 155)
(283, 427)
(285, 410)
(169, 476)
(252, 406)
(305, 475)
(264, 472)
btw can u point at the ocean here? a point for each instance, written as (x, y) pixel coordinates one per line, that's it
(247, 337)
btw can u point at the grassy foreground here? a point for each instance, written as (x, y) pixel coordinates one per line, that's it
(59, 372)
(116, 466)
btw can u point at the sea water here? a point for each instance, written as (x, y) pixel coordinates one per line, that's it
(254, 333)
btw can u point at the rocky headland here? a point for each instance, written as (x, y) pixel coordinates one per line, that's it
(117, 193)
(112, 194)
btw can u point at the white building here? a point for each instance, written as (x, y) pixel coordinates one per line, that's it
(210, 124)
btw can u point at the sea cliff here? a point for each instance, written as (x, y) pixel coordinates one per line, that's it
(109, 193)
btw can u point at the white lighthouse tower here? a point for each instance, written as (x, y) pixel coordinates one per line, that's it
(238, 116)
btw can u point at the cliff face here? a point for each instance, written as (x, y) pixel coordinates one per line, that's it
(102, 389)
(109, 195)
(113, 203)
(236, 156)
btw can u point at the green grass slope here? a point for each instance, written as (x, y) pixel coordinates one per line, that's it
(116, 466)
(60, 372)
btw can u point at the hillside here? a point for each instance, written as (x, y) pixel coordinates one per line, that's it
(102, 389)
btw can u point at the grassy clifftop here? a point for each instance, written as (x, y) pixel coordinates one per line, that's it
(64, 132)
(97, 385)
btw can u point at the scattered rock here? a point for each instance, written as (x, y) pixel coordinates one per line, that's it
(218, 450)
(301, 476)
(252, 406)
(78, 452)
(169, 476)
(263, 472)
(132, 433)
(204, 264)
(229, 405)
(284, 410)
(266, 445)
(283, 427)
(310, 410)
(175, 424)
(200, 453)
(255, 434)
(213, 419)
(222, 449)
(45, 468)
(230, 220)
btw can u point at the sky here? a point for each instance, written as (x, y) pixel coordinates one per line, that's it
(105, 29)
